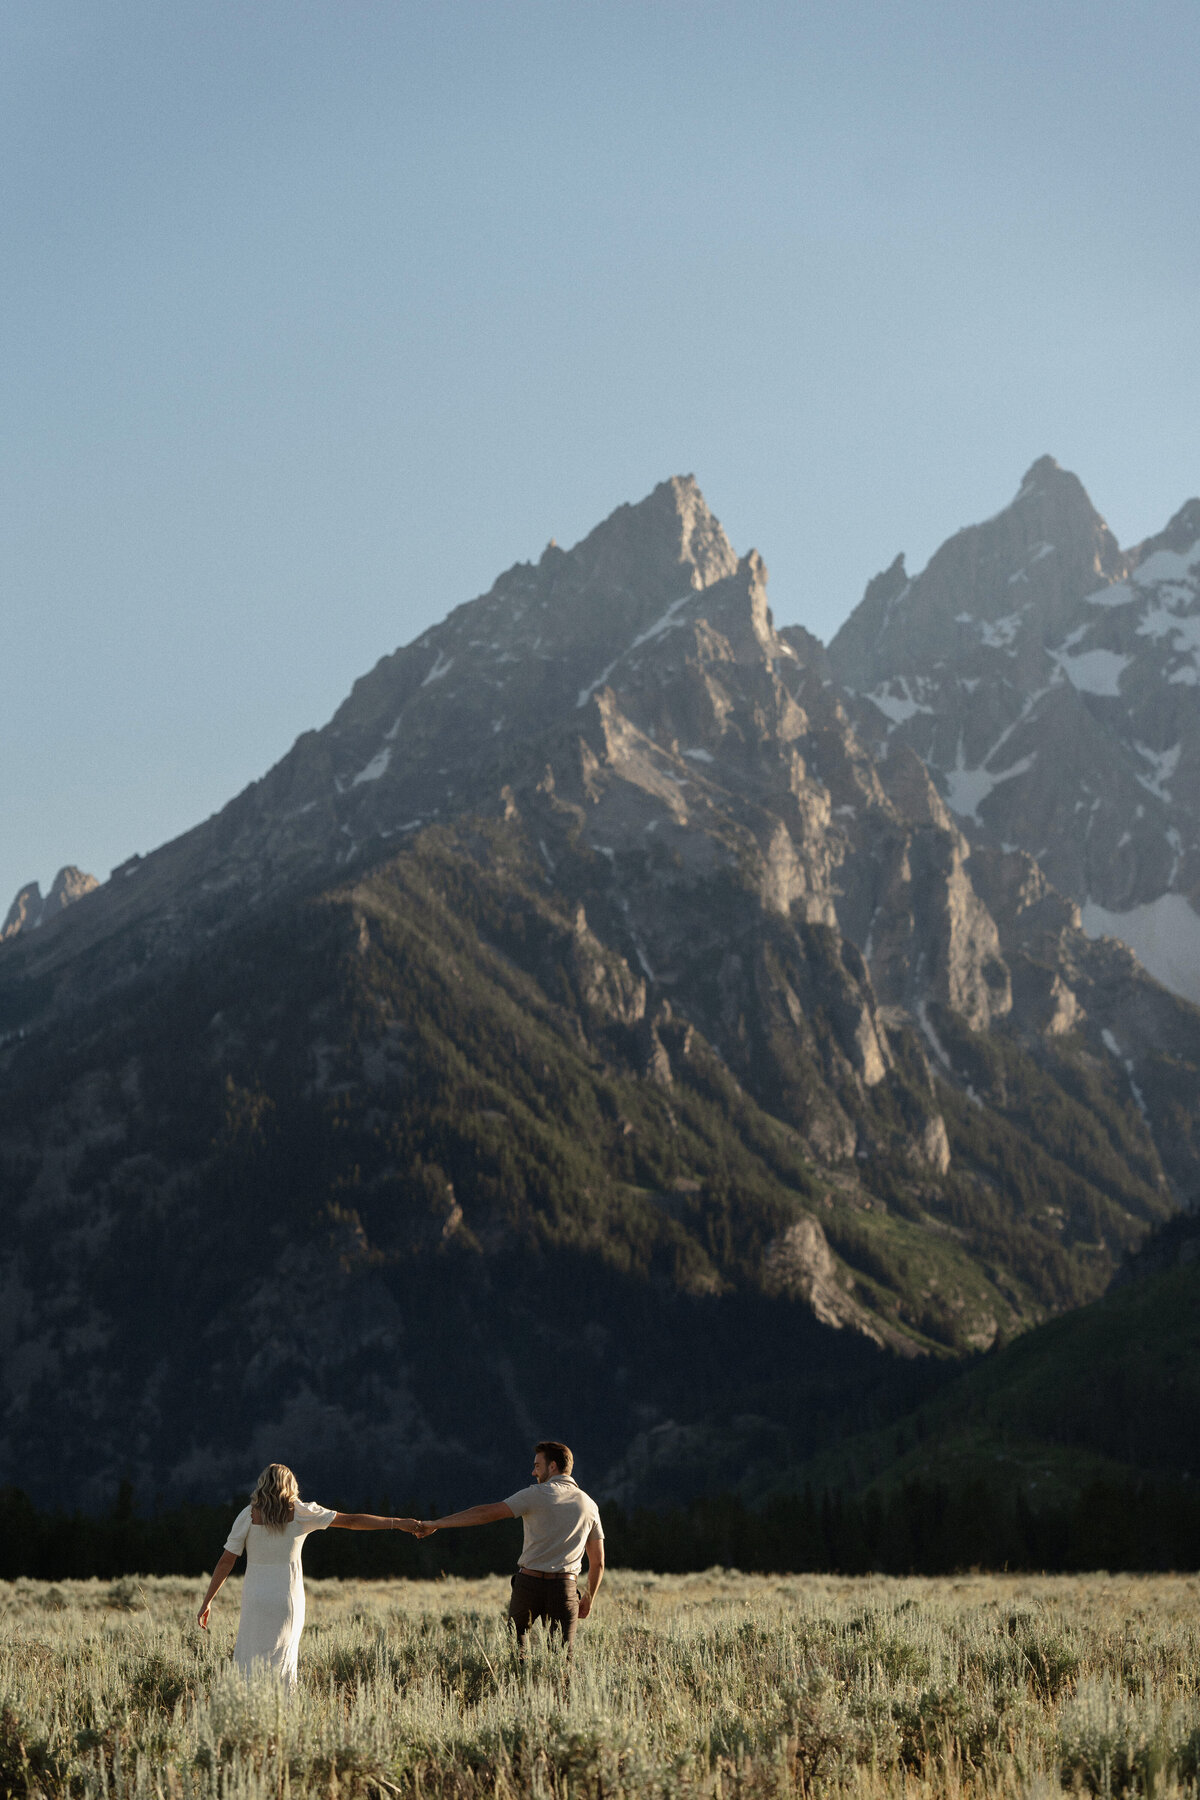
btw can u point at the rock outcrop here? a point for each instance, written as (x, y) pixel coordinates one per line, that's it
(31, 909)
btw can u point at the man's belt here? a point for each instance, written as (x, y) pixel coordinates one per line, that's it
(547, 1574)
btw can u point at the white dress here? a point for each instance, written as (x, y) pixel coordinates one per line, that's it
(273, 1592)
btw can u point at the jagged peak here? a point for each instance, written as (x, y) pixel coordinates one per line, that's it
(1041, 471)
(869, 616)
(902, 620)
(672, 531)
(1056, 494)
(25, 911)
(1181, 531)
(889, 581)
(1051, 509)
(31, 908)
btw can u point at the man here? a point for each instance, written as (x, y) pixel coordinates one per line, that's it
(562, 1523)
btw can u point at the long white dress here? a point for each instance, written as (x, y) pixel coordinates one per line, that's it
(273, 1592)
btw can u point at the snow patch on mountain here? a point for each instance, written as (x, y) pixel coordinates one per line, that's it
(1114, 1049)
(374, 768)
(1182, 628)
(1167, 565)
(667, 621)
(1023, 574)
(999, 634)
(1119, 594)
(967, 789)
(1164, 935)
(897, 706)
(1164, 763)
(1095, 671)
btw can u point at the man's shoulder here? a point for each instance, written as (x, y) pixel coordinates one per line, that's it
(523, 1499)
(572, 1490)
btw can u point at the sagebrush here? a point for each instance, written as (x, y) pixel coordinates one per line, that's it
(715, 1685)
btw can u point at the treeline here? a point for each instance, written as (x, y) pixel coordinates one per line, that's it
(918, 1529)
(922, 1528)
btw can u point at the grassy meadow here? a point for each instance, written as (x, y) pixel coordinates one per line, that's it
(718, 1684)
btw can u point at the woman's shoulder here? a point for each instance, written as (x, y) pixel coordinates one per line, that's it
(308, 1509)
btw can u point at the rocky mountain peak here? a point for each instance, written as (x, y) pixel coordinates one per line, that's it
(1180, 535)
(671, 540)
(31, 909)
(1053, 502)
(1015, 577)
(423, 734)
(1052, 682)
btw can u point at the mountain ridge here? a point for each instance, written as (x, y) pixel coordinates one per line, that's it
(668, 989)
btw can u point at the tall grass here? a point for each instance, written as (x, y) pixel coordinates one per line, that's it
(718, 1685)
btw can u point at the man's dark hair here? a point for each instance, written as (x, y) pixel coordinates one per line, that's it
(556, 1453)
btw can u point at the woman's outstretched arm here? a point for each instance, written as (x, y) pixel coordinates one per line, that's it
(369, 1522)
(224, 1568)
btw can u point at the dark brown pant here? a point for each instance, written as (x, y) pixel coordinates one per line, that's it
(556, 1600)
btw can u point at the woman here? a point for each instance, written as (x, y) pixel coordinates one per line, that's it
(272, 1530)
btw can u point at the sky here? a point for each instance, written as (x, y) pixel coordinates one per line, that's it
(317, 314)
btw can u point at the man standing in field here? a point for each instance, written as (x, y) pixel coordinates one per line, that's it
(562, 1524)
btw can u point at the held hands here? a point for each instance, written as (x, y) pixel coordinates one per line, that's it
(415, 1527)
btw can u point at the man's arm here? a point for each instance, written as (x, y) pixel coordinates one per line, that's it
(488, 1514)
(595, 1562)
(370, 1522)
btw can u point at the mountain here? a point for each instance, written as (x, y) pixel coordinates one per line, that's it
(583, 1033)
(1051, 682)
(1110, 1392)
(31, 908)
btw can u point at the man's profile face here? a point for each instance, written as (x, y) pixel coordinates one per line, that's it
(542, 1470)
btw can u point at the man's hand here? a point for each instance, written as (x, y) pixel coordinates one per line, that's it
(595, 1561)
(474, 1515)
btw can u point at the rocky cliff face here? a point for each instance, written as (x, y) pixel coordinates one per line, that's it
(31, 908)
(1049, 679)
(590, 938)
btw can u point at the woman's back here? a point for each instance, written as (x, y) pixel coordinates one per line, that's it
(268, 1544)
(273, 1593)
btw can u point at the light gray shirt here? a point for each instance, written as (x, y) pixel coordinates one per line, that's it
(559, 1518)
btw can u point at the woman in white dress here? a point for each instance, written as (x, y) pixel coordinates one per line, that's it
(272, 1530)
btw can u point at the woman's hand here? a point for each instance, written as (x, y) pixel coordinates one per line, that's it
(202, 1615)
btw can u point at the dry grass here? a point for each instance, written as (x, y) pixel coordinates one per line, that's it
(719, 1685)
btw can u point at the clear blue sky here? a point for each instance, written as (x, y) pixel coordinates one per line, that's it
(319, 313)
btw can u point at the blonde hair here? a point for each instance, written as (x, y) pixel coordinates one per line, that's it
(275, 1495)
